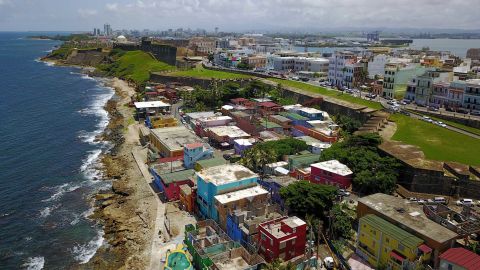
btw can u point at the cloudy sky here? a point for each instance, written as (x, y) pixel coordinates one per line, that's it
(243, 15)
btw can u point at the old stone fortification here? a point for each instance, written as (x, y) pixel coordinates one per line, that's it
(86, 57)
(419, 174)
(166, 77)
(161, 52)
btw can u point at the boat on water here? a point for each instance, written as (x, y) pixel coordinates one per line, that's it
(177, 259)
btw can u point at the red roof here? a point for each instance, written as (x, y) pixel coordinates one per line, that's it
(268, 104)
(169, 159)
(397, 256)
(425, 249)
(193, 145)
(462, 257)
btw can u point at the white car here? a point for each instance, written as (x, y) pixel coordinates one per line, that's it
(329, 263)
(465, 202)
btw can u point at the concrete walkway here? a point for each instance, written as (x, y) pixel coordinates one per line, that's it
(140, 155)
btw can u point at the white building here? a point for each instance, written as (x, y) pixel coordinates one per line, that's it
(336, 68)
(292, 63)
(376, 65)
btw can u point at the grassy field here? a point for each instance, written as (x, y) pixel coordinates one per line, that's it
(135, 65)
(436, 142)
(200, 72)
(330, 93)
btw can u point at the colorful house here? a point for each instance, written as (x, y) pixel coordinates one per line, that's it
(160, 121)
(310, 113)
(207, 163)
(219, 180)
(194, 152)
(273, 184)
(283, 238)
(188, 195)
(297, 119)
(240, 145)
(302, 160)
(331, 172)
(169, 183)
(381, 242)
(459, 259)
(248, 198)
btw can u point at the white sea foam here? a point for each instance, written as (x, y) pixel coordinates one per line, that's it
(62, 190)
(90, 160)
(83, 253)
(34, 263)
(45, 212)
(85, 76)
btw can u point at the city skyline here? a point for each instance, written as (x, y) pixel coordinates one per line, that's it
(282, 15)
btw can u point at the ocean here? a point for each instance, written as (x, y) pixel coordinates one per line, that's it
(458, 47)
(49, 160)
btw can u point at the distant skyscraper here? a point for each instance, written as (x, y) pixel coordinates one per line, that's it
(216, 31)
(107, 30)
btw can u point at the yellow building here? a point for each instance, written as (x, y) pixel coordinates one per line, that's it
(382, 243)
(163, 121)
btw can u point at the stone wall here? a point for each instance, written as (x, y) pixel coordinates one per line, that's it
(162, 52)
(164, 78)
(465, 121)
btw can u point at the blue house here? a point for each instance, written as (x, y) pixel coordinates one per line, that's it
(218, 180)
(274, 184)
(194, 152)
(297, 119)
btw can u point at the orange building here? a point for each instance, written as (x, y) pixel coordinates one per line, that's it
(187, 197)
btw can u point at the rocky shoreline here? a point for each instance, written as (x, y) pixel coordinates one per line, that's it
(127, 211)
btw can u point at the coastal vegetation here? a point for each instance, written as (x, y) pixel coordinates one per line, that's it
(133, 65)
(437, 143)
(330, 93)
(373, 172)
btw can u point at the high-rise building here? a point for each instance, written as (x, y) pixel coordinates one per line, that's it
(107, 30)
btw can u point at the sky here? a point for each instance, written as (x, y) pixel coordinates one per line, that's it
(237, 15)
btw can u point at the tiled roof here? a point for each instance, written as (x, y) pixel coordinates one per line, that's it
(462, 257)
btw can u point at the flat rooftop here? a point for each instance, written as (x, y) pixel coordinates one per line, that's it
(280, 118)
(282, 180)
(214, 118)
(151, 104)
(408, 214)
(175, 138)
(333, 166)
(245, 142)
(197, 115)
(275, 228)
(224, 174)
(309, 110)
(229, 131)
(241, 194)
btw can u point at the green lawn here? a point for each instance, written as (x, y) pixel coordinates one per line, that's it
(135, 65)
(330, 93)
(200, 72)
(436, 142)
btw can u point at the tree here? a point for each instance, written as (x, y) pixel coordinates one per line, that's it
(278, 264)
(256, 158)
(210, 57)
(243, 65)
(288, 146)
(372, 172)
(347, 124)
(304, 198)
(341, 222)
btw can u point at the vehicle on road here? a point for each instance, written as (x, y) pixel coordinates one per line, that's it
(413, 199)
(432, 108)
(343, 192)
(427, 119)
(440, 200)
(421, 201)
(475, 113)
(329, 263)
(465, 202)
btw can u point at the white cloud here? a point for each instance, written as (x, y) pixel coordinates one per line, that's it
(112, 6)
(85, 13)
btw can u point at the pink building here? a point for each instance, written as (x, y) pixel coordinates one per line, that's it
(331, 172)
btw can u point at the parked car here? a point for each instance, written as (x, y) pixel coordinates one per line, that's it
(405, 112)
(439, 200)
(432, 108)
(421, 201)
(413, 199)
(343, 192)
(475, 113)
(465, 202)
(407, 101)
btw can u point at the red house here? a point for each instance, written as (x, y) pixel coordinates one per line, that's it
(282, 238)
(331, 172)
(268, 107)
(169, 183)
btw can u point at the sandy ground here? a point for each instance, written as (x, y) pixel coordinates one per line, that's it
(128, 211)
